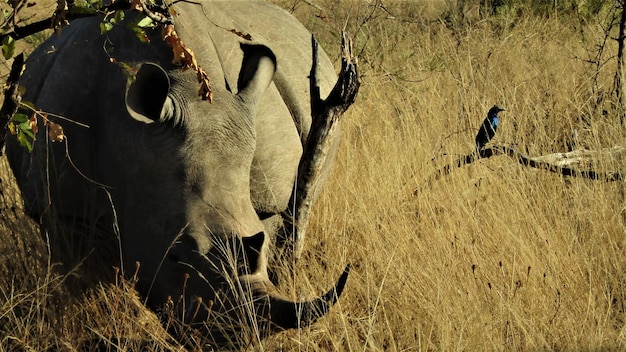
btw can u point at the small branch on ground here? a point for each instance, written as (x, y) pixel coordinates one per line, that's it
(559, 163)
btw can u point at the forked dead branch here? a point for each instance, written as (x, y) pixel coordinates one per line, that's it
(326, 115)
(559, 163)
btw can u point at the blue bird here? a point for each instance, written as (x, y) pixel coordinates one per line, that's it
(488, 129)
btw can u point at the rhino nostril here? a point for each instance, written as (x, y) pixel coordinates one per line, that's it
(264, 215)
(252, 248)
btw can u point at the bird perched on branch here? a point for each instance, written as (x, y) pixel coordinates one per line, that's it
(488, 129)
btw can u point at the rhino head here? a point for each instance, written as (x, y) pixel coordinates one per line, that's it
(193, 179)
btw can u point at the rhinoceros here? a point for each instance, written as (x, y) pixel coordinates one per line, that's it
(192, 190)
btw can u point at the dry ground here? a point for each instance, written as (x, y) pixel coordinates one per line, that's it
(494, 256)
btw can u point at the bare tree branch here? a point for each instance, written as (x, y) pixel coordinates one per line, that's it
(326, 115)
(619, 73)
(559, 163)
(12, 97)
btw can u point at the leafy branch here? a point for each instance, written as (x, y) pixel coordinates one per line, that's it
(56, 20)
(25, 126)
(21, 125)
(156, 15)
(12, 97)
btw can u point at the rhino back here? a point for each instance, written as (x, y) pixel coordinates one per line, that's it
(73, 75)
(284, 115)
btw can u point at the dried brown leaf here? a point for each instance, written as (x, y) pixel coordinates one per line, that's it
(33, 123)
(136, 5)
(245, 36)
(185, 58)
(182, 56)
(55, 132)
(205, 91)
(59, 17)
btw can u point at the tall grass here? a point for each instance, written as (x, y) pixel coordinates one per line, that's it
(494, 256)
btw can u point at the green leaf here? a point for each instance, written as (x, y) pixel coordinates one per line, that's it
(119, 16)
(8, 47)
(105, 27)
(141, 34)
(146, 22)
(20, 118)
(24, 126)
(28, 104)
(29, 133)
(128, 70)
(24, 141)
(21, 126)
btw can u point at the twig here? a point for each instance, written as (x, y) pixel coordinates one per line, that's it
(310, 3)
(12, 98)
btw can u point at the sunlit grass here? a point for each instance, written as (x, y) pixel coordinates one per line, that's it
(494, 256)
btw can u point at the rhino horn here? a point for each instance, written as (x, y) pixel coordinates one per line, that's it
(285, 314)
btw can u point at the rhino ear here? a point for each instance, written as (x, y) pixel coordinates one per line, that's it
(257, 71)
(147, 97)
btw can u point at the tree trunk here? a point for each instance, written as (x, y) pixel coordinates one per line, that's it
(619, 75)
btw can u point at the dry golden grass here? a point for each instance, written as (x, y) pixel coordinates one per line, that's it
(494, 256)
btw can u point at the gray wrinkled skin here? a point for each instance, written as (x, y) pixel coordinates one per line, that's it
(186, 178)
